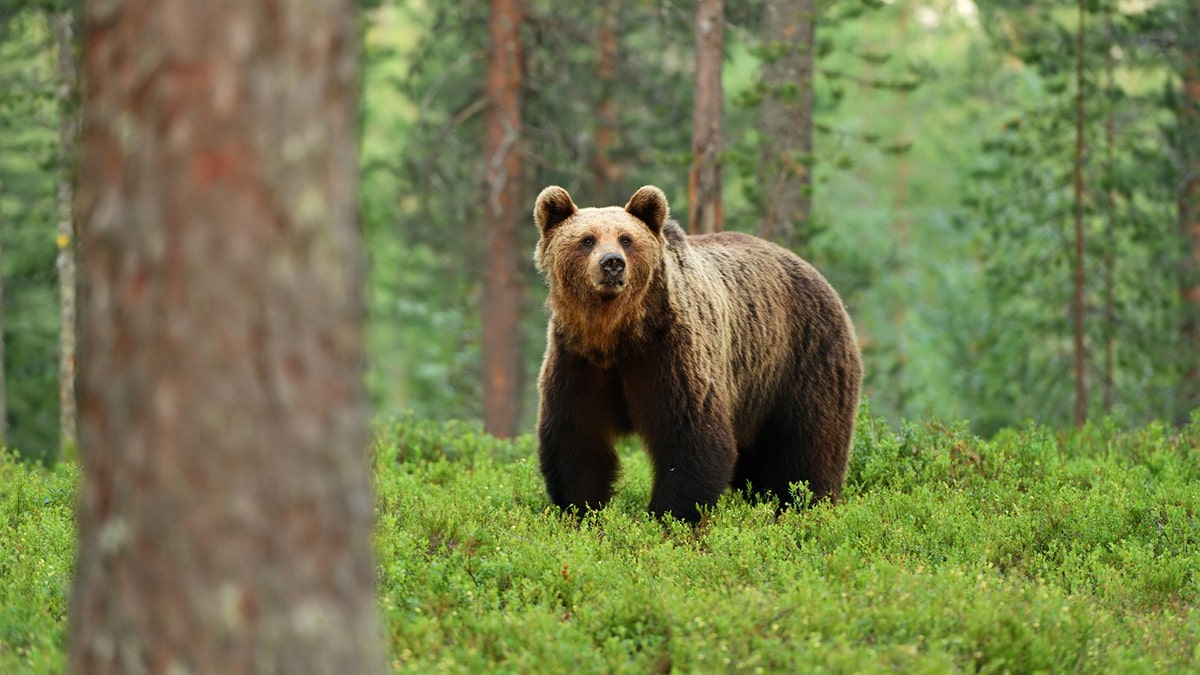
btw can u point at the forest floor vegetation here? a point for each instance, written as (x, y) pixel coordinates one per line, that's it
(1035, 550)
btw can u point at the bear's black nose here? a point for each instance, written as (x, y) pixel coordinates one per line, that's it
(612, 263)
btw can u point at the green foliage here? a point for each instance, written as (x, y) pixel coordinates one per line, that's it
(423, 159)
(938, 209)
(37, 552)
(1035, 550)
(28, 175)
(1016, 358)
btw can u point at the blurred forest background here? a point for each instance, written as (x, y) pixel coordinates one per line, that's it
(1005, 192)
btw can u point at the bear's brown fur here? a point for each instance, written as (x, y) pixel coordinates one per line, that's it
(732, 358)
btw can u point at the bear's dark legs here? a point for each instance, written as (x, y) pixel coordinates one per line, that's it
(680, 486)
(790, 449)
(690, 442)
(579, 419)
(692, 465)
(579, 472)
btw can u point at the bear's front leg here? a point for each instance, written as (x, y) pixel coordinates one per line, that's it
(578, 421)
(689, 471)
(689, 435)
(579, 471)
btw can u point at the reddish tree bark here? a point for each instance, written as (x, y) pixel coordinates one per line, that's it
(225, 512)
(503, 283)
(789, 30)
(705, 208)
(1080, 356)
(1189, 206)
(607, 175)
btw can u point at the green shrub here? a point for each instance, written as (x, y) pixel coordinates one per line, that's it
(1033, 551)
(37, 550)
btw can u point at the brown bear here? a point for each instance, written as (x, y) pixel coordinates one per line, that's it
(733, 359)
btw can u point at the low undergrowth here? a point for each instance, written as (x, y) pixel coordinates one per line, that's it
(1033, 551)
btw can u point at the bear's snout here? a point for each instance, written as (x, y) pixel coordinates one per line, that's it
(613, 264)
(609, 273)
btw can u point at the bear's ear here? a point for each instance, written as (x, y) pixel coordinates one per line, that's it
(553, 206)
(649, 205)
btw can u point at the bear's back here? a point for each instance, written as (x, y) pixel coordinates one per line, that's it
(781, 313)
(746, 263)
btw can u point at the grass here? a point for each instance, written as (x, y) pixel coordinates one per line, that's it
(1034, 551)
(37, 551)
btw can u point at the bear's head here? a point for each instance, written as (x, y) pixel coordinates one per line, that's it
(599, 262)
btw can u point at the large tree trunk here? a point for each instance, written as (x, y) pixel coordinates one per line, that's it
(705, 209)
(789, 29)
(503, 282)
(62, 25)
(1189, 206)
(225, 512)
(1077, 306)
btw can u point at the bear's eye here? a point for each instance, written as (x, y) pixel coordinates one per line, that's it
(626, 241)
(588, 241)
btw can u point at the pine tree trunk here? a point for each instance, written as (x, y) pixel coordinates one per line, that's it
(1080, 356)
(225, 512)
(901, 229)
(3, 369)
(63, 27)
(1189, 207)
(705, 209)
(789, 30)
(503, 282)
(1110, 216)
(605, 172)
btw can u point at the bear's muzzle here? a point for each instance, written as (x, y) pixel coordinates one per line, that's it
(610, 276)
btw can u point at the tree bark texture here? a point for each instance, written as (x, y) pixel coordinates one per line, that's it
(1078, 313)
(504, 255)
(789, 31)
(62, 26)
(225, 513)
(705, 208)
(1189, 206)
(606, 173)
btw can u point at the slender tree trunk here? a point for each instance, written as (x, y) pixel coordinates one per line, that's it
(1110, 216)
(789, 30)
(63, 27)
(503, 285)
(900, 216)
(3, 369)
(1080, 356)
(606, 174)
(225, 512)
(1189, 207)
(705, 209)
